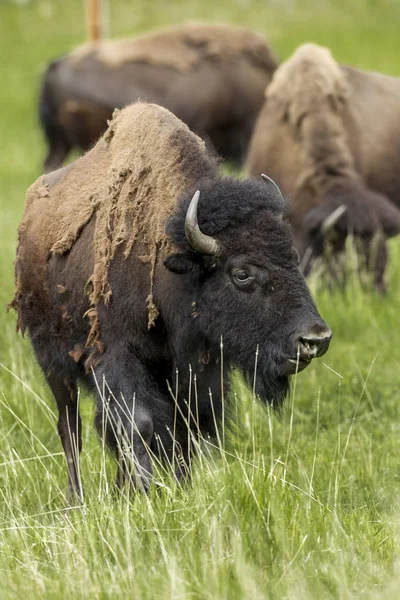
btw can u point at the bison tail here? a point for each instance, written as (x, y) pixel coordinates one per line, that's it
(57, 140)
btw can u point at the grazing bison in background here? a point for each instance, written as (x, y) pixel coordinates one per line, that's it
(329, 136)
(133, 263)
(210, 76)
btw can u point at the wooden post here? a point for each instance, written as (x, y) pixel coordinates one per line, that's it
(94, 21)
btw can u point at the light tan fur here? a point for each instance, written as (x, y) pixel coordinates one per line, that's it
(129, 182)
(305, 108)
(328, 135)
(182, 47)
(321, 119)
(375, 105)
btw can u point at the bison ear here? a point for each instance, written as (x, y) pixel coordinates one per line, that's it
(179, 263)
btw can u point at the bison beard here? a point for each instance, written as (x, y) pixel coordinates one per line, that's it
(269, 382)
(115, 295)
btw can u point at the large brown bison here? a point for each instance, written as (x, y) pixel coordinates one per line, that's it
(133, 264)
(211, 76)
(329, 136)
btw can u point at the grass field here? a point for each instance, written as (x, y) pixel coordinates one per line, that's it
(299, 505)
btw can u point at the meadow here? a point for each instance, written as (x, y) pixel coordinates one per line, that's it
(301, 504)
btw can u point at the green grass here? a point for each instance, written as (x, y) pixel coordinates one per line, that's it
(299, 505)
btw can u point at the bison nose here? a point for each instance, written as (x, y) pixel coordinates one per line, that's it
(315, 342)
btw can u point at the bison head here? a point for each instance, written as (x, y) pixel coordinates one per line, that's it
(349, 208)
(239, 281)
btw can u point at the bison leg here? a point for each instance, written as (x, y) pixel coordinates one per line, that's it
(133, 444)
(377, 257)
(126, 398)
(70, 430)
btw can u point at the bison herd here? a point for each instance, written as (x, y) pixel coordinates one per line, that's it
(146, 274)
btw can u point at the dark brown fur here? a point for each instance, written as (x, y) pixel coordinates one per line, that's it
(113, 294)
(211, 76)
(329, 135)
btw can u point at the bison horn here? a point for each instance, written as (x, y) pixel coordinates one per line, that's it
(269, 180)
(330, 222)
(205, 244)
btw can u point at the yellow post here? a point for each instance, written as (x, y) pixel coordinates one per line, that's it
(94, 24)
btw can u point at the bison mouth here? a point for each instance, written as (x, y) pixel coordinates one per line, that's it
(294, 365)
(273, 376)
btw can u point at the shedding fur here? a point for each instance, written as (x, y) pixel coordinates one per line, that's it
(325, 134)
(212, 77)
(183, 47)
(129, 197)
(309, 93)
(129, 182)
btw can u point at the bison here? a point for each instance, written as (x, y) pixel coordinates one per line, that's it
(134, 263)
(211, 76)
(328, 136)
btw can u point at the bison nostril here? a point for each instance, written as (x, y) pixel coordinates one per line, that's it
(308, 345)
(315, 342)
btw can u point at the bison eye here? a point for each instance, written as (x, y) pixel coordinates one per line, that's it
(242, 277)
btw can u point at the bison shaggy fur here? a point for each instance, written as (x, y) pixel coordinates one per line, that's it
(211, 76)
(129, 282)
(329, 135)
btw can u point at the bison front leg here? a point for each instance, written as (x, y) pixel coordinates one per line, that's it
(124, 416)
(69, 430)
(132, 449)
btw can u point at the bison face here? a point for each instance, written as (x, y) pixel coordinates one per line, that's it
(248, 291)
(257, 301)
(349, 208)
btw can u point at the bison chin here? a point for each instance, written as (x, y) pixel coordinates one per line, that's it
(269, 384)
